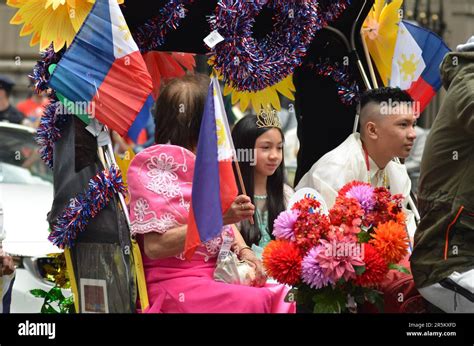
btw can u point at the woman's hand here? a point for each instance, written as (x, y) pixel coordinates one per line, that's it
(248, 255)
(240, 209)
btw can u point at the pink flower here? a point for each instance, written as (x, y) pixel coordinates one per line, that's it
(283, 225)
(339, 258)
(311, 272)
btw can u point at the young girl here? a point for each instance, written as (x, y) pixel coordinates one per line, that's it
(261, 140)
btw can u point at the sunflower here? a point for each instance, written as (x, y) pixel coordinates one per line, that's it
(262, 99)
(55, 21)
(380, 30)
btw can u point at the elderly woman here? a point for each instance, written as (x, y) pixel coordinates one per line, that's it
(160, 183)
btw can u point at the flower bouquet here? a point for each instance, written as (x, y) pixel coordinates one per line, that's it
(335, 262)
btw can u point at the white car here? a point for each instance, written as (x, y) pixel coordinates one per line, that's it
(26, 196)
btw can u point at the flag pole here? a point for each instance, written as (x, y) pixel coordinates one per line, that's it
(369, 60)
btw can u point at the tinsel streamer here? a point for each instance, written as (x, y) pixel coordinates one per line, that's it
(152, 33)
(49, 129)
(40, 74)
(347, 88)
(85, 206)
(250, 65)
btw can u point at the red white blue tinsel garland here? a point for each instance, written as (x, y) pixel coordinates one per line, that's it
(85, 206)
(251, 65)
(347, 87)
(49, 130)
(152, 33)
(40, 75)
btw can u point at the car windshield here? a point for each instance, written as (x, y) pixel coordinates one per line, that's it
(20, 162)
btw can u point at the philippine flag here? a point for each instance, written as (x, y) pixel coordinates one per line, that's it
(415, 65)
(214, 186)
(104, 67)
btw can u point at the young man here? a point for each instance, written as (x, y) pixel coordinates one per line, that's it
(443, 258)
(387, 121)
(7, 111)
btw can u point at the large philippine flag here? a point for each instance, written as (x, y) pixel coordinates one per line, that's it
(104, 67)
(214, 186)
(415, 64)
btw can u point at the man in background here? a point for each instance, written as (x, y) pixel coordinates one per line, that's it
(7, 111)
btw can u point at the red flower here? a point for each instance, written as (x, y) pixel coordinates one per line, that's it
(282, 261)
(375, 268)
(346, 211)
(386, 208)
(305, 204)
(308, 229)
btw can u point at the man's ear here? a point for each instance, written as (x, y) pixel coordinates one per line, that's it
(371, 130)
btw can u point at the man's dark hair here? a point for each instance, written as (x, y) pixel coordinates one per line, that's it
(385, 94)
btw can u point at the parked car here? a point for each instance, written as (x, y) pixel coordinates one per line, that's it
(26, 195)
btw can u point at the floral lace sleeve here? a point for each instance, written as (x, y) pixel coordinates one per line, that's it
(160, 180)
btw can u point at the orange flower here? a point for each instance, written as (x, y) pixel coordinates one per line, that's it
(400, 218)
(391, 241)
(282, 261)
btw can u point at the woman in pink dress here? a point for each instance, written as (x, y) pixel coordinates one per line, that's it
(160, 184)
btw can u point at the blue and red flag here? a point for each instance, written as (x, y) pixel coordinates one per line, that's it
(104, 67)
(214, 186)
(416, 60)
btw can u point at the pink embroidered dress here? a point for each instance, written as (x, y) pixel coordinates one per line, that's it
(160, 183)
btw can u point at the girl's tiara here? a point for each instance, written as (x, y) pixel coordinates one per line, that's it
(268, 118)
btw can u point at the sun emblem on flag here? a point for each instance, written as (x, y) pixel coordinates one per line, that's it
(124, 28)
(408, 66)
(220, 130)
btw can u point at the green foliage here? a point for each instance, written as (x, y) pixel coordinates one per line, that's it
(54, 297)
(329, 300)
(363, 237)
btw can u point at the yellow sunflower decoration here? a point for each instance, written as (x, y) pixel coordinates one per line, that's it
(260, 100)
(380, 32)
(50, 21)
(263, 98)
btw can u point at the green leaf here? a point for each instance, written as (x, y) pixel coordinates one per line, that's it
(329, 300)
(359, 269)
(376, 298)
(39, 293)
(56, 294)
(48, 309)
(363, 237)
(400, 268)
